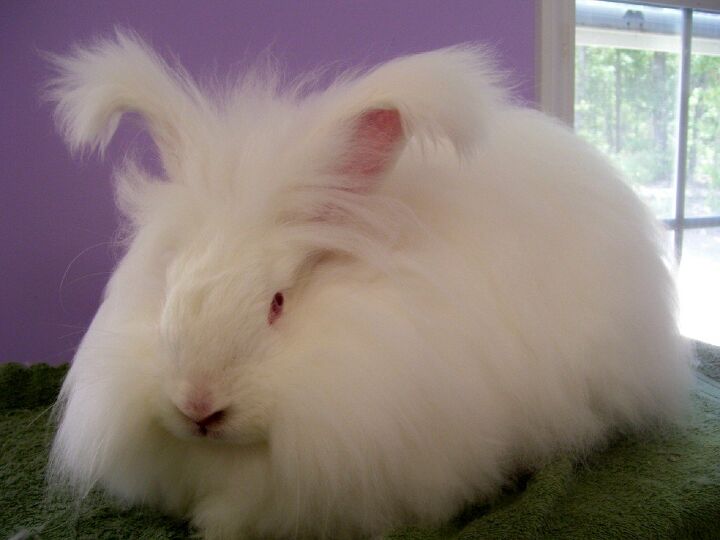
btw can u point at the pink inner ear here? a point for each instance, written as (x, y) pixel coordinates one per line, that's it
(374, 143)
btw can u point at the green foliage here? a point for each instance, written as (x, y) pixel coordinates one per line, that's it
(704, 114)
(626, 104)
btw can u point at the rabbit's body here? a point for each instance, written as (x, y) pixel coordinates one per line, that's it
(447, 321)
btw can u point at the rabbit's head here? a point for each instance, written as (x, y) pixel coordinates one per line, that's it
(260, 186)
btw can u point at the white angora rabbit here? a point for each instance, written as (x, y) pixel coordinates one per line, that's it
(346, 310)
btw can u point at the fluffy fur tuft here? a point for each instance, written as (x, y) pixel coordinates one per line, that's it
(445, 321)
(97, 84)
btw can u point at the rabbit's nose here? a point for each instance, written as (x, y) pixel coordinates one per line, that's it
(202, 415)
(211, 420)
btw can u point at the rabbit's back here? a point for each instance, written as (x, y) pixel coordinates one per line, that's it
(556, 272)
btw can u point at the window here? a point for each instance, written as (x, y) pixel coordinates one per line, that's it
(647, 92)
(646, 84)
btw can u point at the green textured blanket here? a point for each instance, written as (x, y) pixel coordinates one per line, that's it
(659, 486)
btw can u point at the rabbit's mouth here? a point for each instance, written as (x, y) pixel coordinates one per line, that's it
(212, 428)
(209, 425)
(215, 428)
(208, 433)
(189, 432)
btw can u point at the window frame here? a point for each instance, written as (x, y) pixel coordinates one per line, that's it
(555, 87)
(555, 59)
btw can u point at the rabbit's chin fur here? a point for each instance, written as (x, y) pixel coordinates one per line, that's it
(469, 290)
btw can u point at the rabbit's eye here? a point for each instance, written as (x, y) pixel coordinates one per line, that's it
(275, 307)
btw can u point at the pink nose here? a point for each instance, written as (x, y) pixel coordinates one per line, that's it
(202, 414)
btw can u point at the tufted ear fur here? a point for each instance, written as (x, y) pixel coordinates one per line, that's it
(360, 127)
(446, 94)
(95, 85)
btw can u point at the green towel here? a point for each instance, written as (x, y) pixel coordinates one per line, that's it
(661, 485)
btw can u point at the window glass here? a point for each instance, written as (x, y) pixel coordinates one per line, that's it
(626, 101)
(627, 59)
(703, 162)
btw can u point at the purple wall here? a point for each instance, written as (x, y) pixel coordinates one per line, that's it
(56, 213)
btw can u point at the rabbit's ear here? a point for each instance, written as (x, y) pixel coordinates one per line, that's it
(440, 96)
(375, 140)
(446, 94)
(94, 86)
(359, 128)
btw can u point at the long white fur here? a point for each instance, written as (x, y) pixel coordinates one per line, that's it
(498, 296)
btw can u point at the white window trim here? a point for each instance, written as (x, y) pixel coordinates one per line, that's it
(555, 58)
